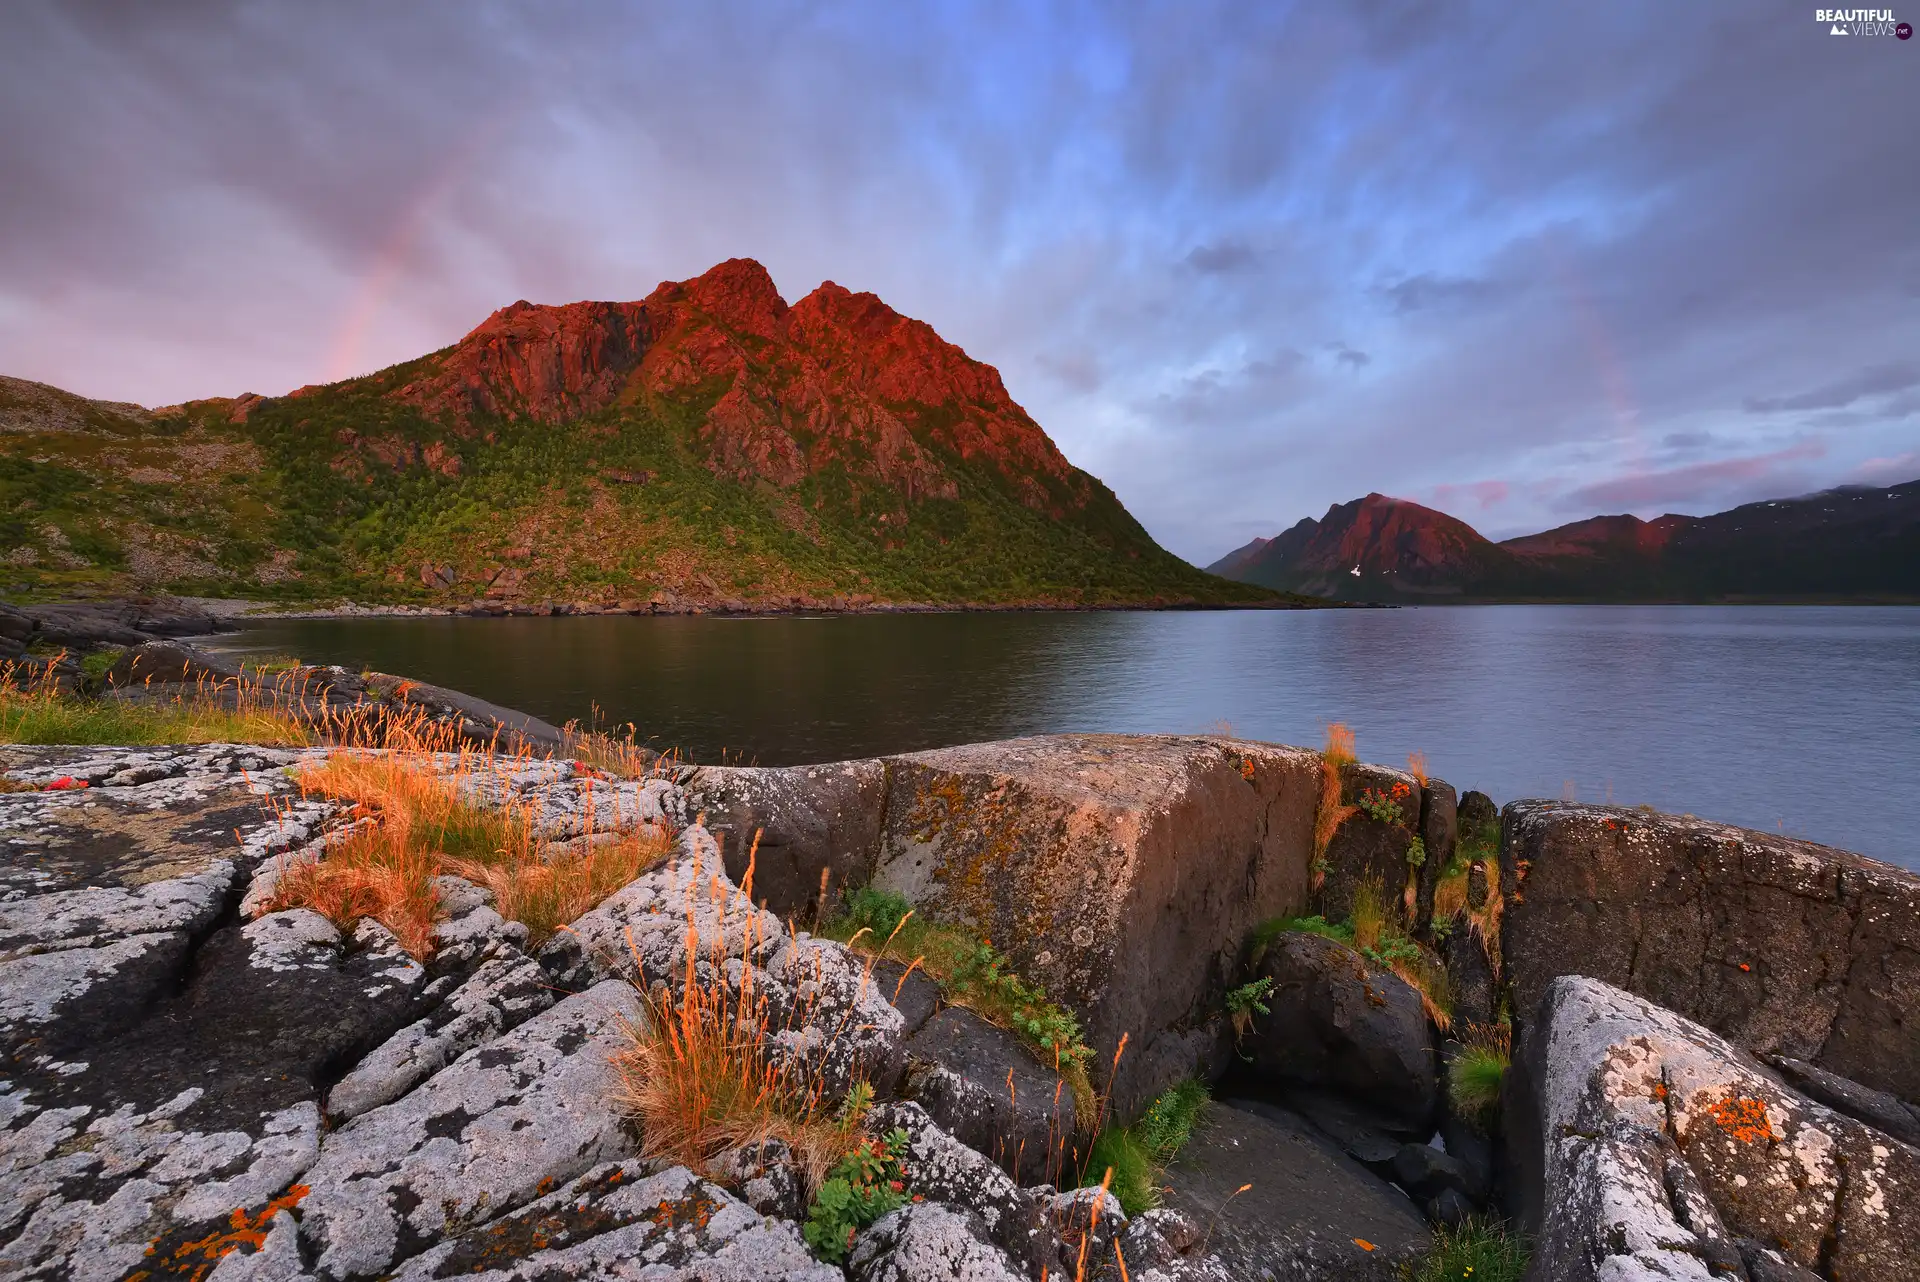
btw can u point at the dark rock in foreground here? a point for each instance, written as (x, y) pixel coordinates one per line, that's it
(1312, 1212)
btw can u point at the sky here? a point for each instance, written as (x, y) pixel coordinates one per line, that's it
(1242, 261)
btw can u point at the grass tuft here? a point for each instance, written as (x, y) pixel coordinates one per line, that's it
(34, 710)
(1477, 1251)
(1479, 1071)
(1132, 1160)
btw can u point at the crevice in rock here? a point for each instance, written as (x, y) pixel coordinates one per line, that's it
(1830, 1239)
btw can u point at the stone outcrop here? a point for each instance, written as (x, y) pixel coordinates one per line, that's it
(1339, 1023)
(1650, 1147)
(269, 1096)
(1783, 946)
(1121, 872)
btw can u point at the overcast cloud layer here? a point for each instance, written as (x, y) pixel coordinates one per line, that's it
(1242, 261)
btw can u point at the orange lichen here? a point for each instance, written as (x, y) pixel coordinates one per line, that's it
(196, 1259)
(1744, 1119)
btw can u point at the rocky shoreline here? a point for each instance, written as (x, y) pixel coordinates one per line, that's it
(1714, 1032)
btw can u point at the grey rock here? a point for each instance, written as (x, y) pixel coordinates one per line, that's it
(1764, 1264)
(928, 1242)
(1338, 1023)
(617, 1220)
(942, 1169)
(914, 995)
(171, 663)
(1439, 833)
(766, 1176)
(1364, 848)
(985, 1087)
(1449, 1208)
(1470, 975)
(1163, 1246)
(1653, 1143)
(502, 994)
(1877, 1109)
(478, 1138)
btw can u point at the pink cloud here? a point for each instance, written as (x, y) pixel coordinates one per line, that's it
(1486, 494)
(1887, 471)
(1687, 484)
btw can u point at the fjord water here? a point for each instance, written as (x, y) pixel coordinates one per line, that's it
(1797, 719)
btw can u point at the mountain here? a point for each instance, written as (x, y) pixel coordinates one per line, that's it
(708, 444)
(1855, 543)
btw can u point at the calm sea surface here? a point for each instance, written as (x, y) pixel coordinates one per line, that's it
(1797, 719)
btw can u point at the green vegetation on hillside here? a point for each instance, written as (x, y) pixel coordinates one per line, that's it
(362, 496)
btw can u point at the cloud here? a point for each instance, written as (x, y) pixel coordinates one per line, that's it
(1686, 440)
(1694, 483)
(1430, 292)
(1483, 494)
(1896, 470)
(1874, 380)
(1349, 356)
(1222, 257)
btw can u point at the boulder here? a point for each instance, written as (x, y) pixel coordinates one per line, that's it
(170, 663)
(1877, 1109)
(809, 820)
(1364, 848)
(85, 625)
(1439, 833)
(480, 722)
(1470, 972)
(914, 995)
(1425, 1172)
(1162, 1245)
(1310, 1213)
(1785, 947)
(940, 1169)
(1338, 1023)
(1475, 811)
(1648, 1146)
(985, 1087)
(928, 1242)
(1122, 873)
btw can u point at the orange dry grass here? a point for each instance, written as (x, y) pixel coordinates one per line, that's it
(548, 890)
(417, 825)
(1417, 766)
(701, 1077)
(1330, 814)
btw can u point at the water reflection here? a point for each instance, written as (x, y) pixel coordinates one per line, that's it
(1782, 718)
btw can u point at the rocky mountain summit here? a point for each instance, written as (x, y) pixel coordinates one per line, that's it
(707, 445)
(1853, 543)
(1652, 1046)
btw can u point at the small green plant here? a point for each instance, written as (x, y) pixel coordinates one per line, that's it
(1479, 1071)
(1380, 805)
(878, 912)
(96, 665)
(866, 1184)
(1477, 1251)
(970, 972)
(1273, 928)
(1138, 1155)
(1416, 853)
(1246, 1001)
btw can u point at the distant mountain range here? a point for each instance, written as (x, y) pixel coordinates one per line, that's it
(1851, 544)
(709, 444)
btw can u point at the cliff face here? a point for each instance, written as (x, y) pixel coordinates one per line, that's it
(706, 444)
(1854, 543)
(839, 379)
